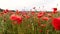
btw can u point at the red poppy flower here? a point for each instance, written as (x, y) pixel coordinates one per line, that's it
(32, 12)
(13, 17)
(5, 11)
(17, 12)
(16, 18)
(40, 14)
(24, 13)
(27, 17)
(54, 10)
(45, 18)
(56, 23)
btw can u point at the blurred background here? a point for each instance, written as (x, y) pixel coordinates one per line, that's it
(28, 5)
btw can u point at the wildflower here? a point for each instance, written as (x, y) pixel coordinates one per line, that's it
(54, 10)
(39, 15)
(27, 16)
(56, 23)
(32, 12)
(5, 11)
(45, 18)
(16, 18)
(17, 12)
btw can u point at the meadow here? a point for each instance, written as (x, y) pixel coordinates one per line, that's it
(29, 22)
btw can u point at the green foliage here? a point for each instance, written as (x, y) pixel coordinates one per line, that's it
(28, 26)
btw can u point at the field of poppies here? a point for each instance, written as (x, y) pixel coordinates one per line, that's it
(30, 22)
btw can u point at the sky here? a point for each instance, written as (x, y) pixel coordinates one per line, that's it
(29, 4)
